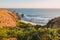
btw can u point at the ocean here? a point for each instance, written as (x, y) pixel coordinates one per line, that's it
(37, 15)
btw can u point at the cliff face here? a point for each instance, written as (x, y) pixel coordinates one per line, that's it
(54, 23)
(7, 18)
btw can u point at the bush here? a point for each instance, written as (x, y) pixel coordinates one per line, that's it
(30, 32)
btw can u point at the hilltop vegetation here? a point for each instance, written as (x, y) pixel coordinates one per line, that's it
(30, 32)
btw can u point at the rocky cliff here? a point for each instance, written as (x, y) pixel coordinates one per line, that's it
(8, 18)
(54, 23)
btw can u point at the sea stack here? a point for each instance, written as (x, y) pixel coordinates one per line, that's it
(8, 18)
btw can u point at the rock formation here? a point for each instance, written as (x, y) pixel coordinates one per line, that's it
(54, 23)
(8, 18)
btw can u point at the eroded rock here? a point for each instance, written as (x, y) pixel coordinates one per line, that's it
(8, 18)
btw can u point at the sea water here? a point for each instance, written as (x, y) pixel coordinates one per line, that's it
(37, 15)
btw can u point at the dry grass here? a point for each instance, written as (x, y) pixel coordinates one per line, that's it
(7, 18)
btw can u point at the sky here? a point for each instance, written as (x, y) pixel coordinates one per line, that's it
(29, 3)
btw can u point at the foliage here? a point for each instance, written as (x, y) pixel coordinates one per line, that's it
(30, 32)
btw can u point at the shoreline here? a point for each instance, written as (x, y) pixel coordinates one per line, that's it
(31, 23)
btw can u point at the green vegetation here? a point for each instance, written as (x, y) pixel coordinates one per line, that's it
(30, 32)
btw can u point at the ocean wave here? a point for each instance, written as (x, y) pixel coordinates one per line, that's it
(36, 19)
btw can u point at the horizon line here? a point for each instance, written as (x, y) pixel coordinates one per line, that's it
(35, 8)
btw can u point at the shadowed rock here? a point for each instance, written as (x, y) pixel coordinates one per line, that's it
(54, 23)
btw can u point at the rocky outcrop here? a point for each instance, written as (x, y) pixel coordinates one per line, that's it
(54, 23)
(8, 18)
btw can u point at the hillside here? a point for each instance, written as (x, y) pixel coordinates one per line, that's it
(54, 23)
(7, 18)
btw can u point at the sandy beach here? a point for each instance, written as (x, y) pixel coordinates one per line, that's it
(31, 23)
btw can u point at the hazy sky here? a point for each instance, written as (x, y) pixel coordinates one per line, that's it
(29, 3)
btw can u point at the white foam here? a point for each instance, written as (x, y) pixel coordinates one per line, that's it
(37, 19)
